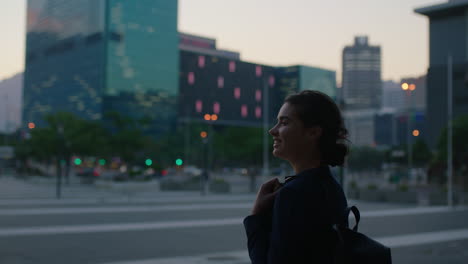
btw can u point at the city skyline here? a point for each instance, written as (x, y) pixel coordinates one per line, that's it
(300, 36)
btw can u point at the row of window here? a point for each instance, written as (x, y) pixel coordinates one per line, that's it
(244, 110)
(231, 65)
(69, 44)
(220, 81)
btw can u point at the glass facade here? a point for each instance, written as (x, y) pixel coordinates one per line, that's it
(94, 56)
(317, 79)
(64, 58)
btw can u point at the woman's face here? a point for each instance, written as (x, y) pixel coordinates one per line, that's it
(291, 140)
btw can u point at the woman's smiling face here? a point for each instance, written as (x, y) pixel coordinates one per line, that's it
(290, 137)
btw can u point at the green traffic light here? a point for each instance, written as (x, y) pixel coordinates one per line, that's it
(179, 162)
(102, 162)
(77, 161)
(148, 162)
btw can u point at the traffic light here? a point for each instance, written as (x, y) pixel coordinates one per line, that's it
(78, 161)
(102, 162)
(179, 162)
(148, 162)
(203, 134)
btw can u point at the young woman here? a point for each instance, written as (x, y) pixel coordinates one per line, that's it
(292, 222)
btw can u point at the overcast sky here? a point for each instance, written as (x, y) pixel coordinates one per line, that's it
(279, 32)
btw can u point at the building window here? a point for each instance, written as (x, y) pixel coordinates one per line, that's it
(201, 61)
(232, 66)
(271, 81)
(258, 112)
(258, 95)
(220, 81)
(237, 92)
(258, 70)
(244, 111)
(216, 108)
(191, 78)
(199, 106)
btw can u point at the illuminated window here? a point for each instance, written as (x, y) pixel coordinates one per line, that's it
(258, 95)
(201, 61)
(191, 78)
(244, 110)
(232, 66)
(216, 108)
(271, 81)
(199, 106)
(258, 70)
(258, 112)
(237, 92)
(220, 81)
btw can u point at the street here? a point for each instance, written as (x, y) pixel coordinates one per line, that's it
(189, 228)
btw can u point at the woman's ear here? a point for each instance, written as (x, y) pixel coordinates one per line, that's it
(315, 132)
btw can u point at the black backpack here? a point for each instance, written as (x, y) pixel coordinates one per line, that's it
(354, 247)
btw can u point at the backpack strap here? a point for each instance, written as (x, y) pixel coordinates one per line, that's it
(357, 216)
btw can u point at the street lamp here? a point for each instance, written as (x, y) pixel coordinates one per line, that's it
(409, 88)
(207, 138)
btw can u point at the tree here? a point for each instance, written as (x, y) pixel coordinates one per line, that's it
(460, 153)
(365, 158)
(421, 154)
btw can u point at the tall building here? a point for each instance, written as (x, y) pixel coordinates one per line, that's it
(90, 57)
(448, 37)
(417, 101)
(10, 103)
(393, 97)
(361, 81)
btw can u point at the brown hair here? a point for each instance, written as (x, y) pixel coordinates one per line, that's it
(315, 108)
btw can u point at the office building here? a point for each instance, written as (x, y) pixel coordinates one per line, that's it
(91, 57)
(361, 81)
(448, 38)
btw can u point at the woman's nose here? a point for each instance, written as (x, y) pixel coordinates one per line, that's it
(272, 131)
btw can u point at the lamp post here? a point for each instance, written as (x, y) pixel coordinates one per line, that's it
(409, 88)
(207, 138)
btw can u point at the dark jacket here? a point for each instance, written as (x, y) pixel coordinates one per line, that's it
(298, 230)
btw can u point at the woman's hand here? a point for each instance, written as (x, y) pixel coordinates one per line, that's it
(266, 196)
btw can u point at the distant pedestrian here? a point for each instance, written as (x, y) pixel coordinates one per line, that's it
(292, 222)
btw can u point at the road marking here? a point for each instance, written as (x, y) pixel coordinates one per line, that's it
(118, 200)
(242, 256)
(120, 227)
(213, 206)
(31, 231)
(123, 209)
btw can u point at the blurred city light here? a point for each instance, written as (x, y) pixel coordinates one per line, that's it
(31, 125)
(179, 162)
(412, 87)
(415, 132)
(78, 161)
(148, 162)
(214, 117)
(203, 134)
(207, 117)
(404, 86)
(102, 162)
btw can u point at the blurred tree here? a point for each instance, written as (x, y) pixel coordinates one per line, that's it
(460, 154)
(365, 158)
(421, 154)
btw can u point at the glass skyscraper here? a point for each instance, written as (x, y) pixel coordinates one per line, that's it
(90, 57)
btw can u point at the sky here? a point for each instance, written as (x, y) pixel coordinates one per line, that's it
(279, 32)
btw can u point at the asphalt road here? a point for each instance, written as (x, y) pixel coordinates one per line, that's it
(193, 229)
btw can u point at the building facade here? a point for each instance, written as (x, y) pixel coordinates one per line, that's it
(448, 38)
(361, 80)
(99, 61)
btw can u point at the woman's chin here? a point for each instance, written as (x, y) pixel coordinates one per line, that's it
(276, 153)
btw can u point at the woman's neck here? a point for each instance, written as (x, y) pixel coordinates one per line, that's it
(300, 166)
